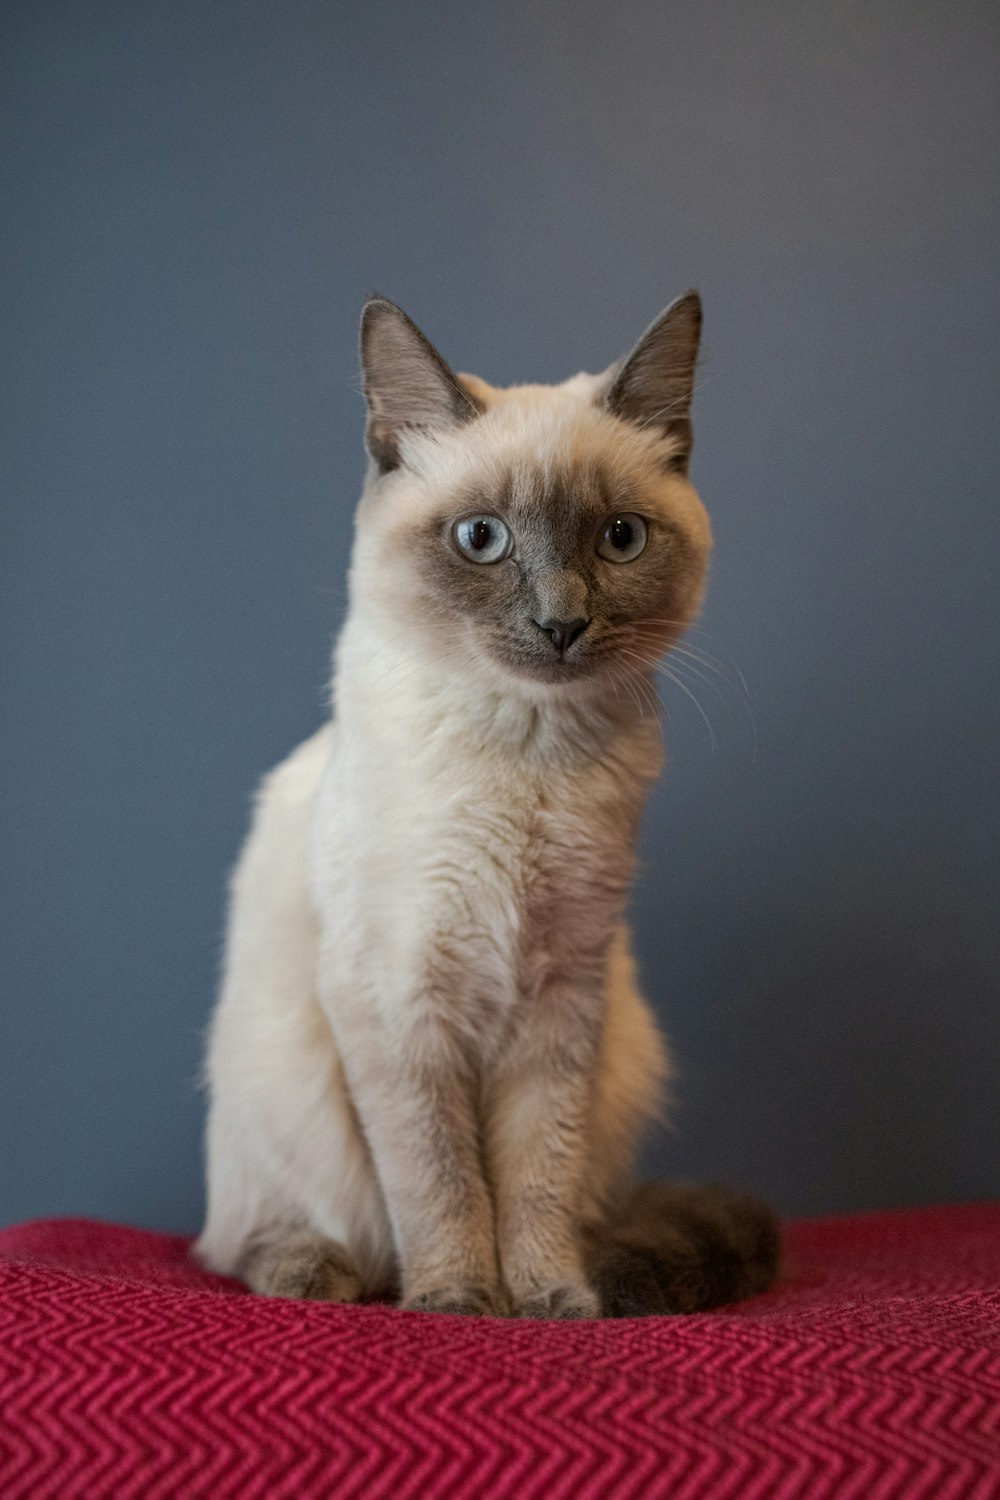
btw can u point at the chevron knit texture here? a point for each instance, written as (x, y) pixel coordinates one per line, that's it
(873, 1372)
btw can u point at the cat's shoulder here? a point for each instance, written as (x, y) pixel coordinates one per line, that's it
(295, 779)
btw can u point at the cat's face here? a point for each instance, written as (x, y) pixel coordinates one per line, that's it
(547, 531)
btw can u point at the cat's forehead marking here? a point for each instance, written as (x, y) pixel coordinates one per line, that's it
(548, 457)
(553, 495)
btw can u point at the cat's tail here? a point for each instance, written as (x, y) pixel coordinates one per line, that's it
(679, 1248)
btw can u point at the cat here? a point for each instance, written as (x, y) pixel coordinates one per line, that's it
(430, 1062)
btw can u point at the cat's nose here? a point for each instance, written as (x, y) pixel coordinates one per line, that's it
(563, 633)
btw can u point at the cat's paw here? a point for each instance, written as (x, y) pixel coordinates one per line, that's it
(573, 1299)
(305, 1266)
(462, 1299)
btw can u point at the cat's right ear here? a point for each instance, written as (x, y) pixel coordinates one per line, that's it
(653, 386)
(408, 386)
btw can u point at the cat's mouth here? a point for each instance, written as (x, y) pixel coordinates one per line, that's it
(550, 666)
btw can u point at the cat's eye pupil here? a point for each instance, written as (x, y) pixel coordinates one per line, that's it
(480, 535)
(620, 533)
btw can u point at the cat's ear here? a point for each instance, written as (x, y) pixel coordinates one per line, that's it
(407, 384)
(653, 385)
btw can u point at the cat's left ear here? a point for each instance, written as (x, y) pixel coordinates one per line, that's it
(407, 384)
(653, 386)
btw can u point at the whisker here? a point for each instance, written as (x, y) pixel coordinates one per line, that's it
(708, 723)
(648, 687)
(658, 708)
(728, 671)
(664, 670)
(646, 696)
(639, 682)
(688, 649)
(695, 672)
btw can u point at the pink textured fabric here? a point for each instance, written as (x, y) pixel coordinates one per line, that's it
(872, 1372)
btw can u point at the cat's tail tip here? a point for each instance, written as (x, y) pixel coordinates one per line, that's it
(683, 1248)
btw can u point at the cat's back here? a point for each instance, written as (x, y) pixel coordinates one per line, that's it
(270, 885)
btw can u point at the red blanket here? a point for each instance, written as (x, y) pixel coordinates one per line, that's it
(872, 1372)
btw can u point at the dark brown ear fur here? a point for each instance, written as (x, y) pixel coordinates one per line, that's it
(682, 1249)
(653, 386)
(407, 383)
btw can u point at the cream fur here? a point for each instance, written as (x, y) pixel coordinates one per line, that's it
(432, 890)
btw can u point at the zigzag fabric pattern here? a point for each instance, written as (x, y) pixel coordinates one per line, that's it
(871, 1373)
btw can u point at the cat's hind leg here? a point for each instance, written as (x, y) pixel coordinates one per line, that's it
(294, 1204)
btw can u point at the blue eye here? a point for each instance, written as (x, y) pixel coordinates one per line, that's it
(482, 539)
(622, 537)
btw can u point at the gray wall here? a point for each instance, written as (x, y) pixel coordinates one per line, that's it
(196, 198)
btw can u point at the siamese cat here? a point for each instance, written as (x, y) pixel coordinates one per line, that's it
(430, 1063)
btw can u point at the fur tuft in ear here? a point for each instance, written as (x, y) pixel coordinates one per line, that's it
(406, 382)
(654, 384)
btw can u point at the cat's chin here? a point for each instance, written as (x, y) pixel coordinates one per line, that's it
(556, 673)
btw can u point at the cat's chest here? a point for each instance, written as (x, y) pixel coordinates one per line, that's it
(494, 872)
(516, 868)
(537, 830)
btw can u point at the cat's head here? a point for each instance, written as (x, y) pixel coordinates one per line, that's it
(548, 531)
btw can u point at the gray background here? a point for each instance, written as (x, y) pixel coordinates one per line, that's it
(196, 198)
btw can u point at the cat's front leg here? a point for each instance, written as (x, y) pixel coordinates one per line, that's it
(537, 1116)
(413, 1089)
